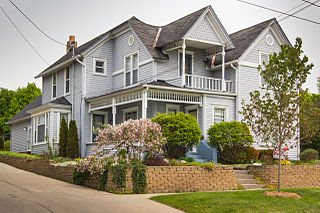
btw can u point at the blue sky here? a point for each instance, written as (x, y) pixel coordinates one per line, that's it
(87, 19)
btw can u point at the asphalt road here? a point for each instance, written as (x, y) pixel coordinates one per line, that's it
(22, 191)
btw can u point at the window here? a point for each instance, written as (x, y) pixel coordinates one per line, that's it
(219, 115)
(65, 116)
(172, 108)
(130, 113)
(67, 80)
(41, 127)
(54, 85)
(131, 69)
(97, 122)
(188, 62)
(264, 57)
(100, 66)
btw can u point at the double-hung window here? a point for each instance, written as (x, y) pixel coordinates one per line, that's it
(99, 66)
(41, 128)
(188, 63)
(97, 122)
(131, 69)
(219, 115)
(54, 85)
(264, 57)
(67, 80)
(130, 113)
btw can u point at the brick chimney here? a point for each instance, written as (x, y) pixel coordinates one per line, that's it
(71, 43)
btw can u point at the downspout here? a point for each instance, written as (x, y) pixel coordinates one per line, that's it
(237, 91)
(82, 107)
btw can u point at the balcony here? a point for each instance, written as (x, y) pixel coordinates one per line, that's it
(207, 83)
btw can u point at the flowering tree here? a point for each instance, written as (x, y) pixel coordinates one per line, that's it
(135, 136)
(92, 165)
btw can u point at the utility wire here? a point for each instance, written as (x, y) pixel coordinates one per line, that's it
(23, 35)
(36, 25)
(291, 9)
(311, 3)
(277, 11)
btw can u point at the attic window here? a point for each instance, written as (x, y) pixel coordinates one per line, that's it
(99, 66)
(130, 40)
(269, 40)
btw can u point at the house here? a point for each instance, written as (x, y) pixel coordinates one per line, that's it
(136, 70)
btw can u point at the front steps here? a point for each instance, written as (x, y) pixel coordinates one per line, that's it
(197, 157)
(247, 181)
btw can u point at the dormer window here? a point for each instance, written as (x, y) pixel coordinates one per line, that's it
(54, 85)
(100, 66)
(67, 81)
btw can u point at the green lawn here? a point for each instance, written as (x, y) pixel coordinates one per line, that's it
(243, 201)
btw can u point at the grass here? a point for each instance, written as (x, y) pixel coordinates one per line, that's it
(19, 155)
(243, 201)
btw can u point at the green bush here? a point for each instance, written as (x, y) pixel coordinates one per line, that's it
(249, 154)
(19, 155)
(266, 156)
(139, 178)
(73, 140)
(309, 155)
(6, 146)
(230, 139)
(63, 135)
(1, 143)
(80, 178)
(181, 131)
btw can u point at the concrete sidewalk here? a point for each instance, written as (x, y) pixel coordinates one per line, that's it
(22, 191)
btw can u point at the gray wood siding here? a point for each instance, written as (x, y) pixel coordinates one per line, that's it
(97, 84)
(145, 73)
(46, 89)
(253, 55)
(18, 140)
(39, 149)
(204, 31)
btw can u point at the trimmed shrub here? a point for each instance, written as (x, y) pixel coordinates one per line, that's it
(72, 140)
(63, 135)
(231, 140)
(6, 146)
(1, 143)
(152, 160)
(249, 154)
(309, 155)
(182, 132)
(266, 156)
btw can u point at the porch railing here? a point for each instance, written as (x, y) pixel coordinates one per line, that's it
(207, 83)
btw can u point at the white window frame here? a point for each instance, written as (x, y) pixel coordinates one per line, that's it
(29, 137)
(192, 107)
(104, 66)
(131, 69)
(65, 81)
(91, 125)
(46, 125)
(57, 113)
(172, 106)
(54, 85)
(187, 53)
(127, 110)
(225, 108)
(261, 63)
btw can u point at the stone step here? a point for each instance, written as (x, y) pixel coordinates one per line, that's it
(247, 181)
(195, 156)
(201, 160)
(244, 176)
(241, 171)
(252, 186)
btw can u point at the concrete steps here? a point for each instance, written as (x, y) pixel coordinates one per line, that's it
(247, 181)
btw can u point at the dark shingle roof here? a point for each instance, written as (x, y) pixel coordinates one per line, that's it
(242, 40)
(23, 113)
(61, 100)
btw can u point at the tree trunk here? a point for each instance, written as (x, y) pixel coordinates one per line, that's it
(279, 165)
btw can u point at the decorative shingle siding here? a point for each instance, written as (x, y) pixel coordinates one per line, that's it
(19, 136)
(204, 31)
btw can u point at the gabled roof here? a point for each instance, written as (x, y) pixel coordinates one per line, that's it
(23, 113)
(243, 39)
(60, 100)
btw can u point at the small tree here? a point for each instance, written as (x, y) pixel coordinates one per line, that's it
(1, 143)
(73, 140)
(273, 116)
(63, 136)
(182, 132)
(133, 136)
(231, 140)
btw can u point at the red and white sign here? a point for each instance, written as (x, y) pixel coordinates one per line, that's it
(284, 153)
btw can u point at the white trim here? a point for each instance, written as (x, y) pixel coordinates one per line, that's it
(249, 64)
(192, 107)
(172, 106)
(131, 69)
(29, 137)
(118, 72)
(105, 113)
(129, 41)
(105, 61)
(142, 44)
(65, 80)
(54, 73)
(204, 41)
(147, 61)
(127, 110)
(187, 53)
(55, 67)
(224, 107)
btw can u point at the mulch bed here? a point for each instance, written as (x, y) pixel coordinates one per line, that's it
(282, 194)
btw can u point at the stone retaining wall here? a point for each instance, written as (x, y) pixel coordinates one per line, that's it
(160, 179)
(293, 176)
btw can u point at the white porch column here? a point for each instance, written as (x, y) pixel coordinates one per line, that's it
(204, 116)
(183, 63)
(114, 112)
(144, 103)
(223, 53)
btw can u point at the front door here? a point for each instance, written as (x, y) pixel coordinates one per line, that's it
(29, 133)
(193, 110)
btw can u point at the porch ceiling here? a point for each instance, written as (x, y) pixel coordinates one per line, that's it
(201, 44)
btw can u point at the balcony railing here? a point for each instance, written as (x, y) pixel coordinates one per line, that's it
(207, 83)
